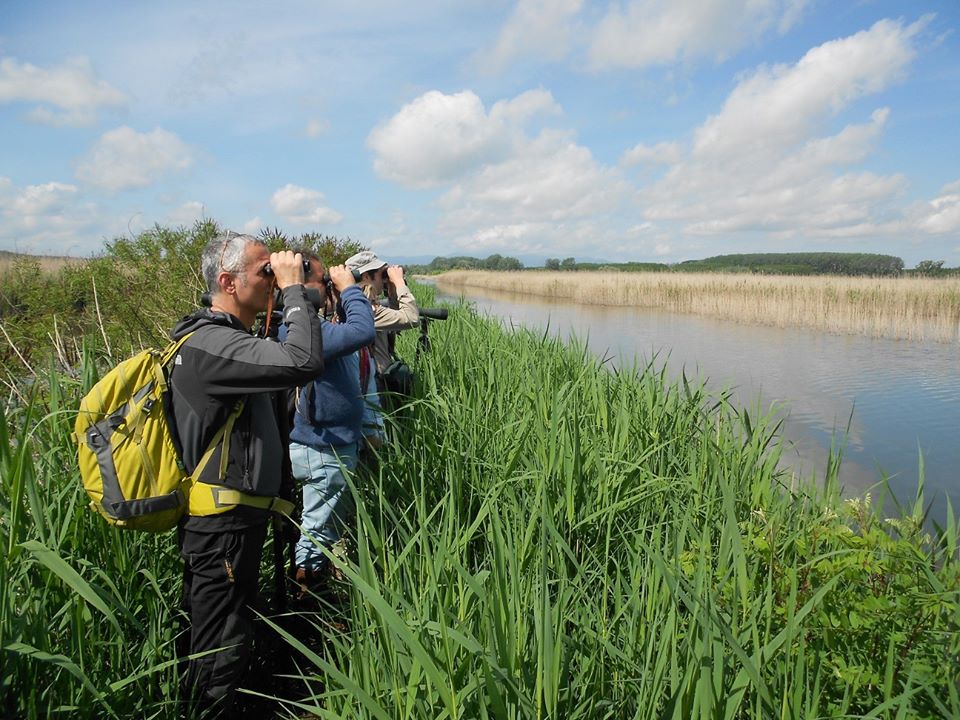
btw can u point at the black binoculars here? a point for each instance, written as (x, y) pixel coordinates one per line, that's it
(267, 270)
(326, 277)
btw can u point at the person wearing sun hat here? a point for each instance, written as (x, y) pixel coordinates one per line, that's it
(400, 312)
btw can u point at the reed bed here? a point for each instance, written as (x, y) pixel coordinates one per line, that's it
(547, 539)
(45, 263)
(542, 538)
(905, 308)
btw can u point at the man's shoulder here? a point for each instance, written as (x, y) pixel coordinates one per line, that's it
(215, 329)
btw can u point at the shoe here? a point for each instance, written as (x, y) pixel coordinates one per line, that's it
(310, 583)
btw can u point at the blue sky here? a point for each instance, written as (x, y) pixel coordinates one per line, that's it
(648, 130)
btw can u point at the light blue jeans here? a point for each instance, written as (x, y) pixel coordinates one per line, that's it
(326, 497)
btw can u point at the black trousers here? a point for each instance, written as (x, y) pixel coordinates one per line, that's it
(220, 578)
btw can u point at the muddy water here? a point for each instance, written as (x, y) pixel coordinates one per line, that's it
(899, 398)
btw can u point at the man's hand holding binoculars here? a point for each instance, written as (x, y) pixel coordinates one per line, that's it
(341, 277)
(287, 267)
(395, 275)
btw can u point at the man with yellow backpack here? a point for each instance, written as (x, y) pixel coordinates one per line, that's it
(222, 373)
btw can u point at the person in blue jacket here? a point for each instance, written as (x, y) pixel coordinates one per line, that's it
(328, 422)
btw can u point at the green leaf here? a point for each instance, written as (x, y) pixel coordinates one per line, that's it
(58, 566)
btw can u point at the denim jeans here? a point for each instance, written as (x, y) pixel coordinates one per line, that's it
(326, 497)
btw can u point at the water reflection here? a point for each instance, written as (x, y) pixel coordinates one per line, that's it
(897, 397)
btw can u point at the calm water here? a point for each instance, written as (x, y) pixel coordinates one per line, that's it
(900, 398)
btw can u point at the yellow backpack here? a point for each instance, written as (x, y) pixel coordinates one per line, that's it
(130, 466)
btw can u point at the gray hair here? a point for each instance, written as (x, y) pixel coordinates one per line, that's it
(225, 253)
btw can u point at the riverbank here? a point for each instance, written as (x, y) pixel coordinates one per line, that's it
(898, 308)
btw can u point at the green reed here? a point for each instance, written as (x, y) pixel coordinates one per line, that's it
(547, 538)
(87, 613)
(543, 537)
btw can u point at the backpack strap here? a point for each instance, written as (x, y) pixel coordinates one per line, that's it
(223, 434)
(212, 499)
(227, 498)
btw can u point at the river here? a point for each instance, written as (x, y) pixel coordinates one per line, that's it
(900, 398)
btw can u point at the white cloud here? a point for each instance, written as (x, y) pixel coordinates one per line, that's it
(51, 218)
(35, 200)
(506, 188)
(302, 206)
(124, 158)
(758, 164)
(542, 198)
(665, 153)
(540, 28)
(316, 128)
(941, 215)
(779, 106)
(438, 138)
(549, 178)
(69, 94)
(253, 226)
(186, 214)
(656, 32)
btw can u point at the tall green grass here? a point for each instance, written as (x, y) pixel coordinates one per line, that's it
(545, 538)
(542, 538)
(87, 613)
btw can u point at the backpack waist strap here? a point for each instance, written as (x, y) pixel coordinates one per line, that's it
(208, 499)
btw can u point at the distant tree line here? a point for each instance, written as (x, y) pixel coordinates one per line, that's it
(814, 263)
(465, 262)
(571, 264)
(933, 268)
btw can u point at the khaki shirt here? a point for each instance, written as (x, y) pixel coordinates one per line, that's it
(402, 314)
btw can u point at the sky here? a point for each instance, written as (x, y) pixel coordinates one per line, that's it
(637, 130)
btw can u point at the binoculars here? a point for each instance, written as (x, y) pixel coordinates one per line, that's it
(267, 270)
(326, 277)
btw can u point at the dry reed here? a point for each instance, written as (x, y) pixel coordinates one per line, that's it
(903, 308)
(47, 263)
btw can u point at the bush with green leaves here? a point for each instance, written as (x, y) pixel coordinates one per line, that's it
(129, 295)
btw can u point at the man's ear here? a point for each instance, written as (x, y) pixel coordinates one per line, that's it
(227, 283)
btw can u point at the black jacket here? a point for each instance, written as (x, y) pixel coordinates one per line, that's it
(223, 363)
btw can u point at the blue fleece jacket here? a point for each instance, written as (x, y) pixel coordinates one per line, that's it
(330, 409)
